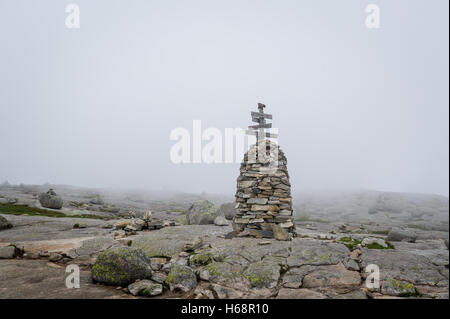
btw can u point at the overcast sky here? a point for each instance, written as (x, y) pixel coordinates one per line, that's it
(356, 108)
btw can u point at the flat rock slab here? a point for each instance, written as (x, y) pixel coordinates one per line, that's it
(434, 250)
(40, 279)
(169, 241)
(54, 245)
(286, 293)
(404, 266)
(332, 276)
(316, 252)
(36, 228)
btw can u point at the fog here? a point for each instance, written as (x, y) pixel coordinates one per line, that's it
(356, 108)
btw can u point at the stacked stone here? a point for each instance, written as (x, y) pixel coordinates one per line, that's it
(263, 196)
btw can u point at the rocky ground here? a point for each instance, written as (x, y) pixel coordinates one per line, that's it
(327, 259)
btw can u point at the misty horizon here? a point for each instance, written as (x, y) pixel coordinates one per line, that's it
(356, 109)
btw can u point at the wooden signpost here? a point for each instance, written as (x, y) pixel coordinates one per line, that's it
(258, 130)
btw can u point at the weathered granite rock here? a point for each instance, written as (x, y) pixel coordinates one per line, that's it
(227, 210)
(50, 200)
(4, 223)
(145, 288)
(7, 252)
(121, 266)
(223, 292)
(293, 278)
(201, 213)
(399, 288)
(222, 273)
(90, 249)
(397, 234)
(221, 221)
(263, 274)
(309, 252)
(404, 266)
(181, 278)
(286, 293)
(335, 276)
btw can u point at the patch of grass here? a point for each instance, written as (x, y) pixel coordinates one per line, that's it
(378, 246)
(11, 209)
(351, 243)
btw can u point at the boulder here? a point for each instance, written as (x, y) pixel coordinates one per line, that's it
(10, 252)
(145, 288)
(121, 266)
(181, 278)
(4, 223)
(202, 213)
(50, 200)
(397, 234)
(227, 210)
(221, 221)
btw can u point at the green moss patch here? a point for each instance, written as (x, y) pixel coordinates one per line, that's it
(378, 246)
(351, 243)
(11, 209)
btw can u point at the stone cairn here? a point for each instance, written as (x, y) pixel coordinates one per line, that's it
(263, 196)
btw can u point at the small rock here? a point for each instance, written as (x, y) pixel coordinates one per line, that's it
(122, 224)
(181, 278)
(194, 244)
(138, 224)
(130, 230)
(201, 293)
(355, 254)
(50, 200)
(227, 210)
(281, 233)
(156, 263)
(4, 223)
(120, 234)
(225, 292)
(201, 213)
(44, 254)
(145, 288)
(221, 221)
(79, 225)
(351, 264)
(159, 277)
(55, 257)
